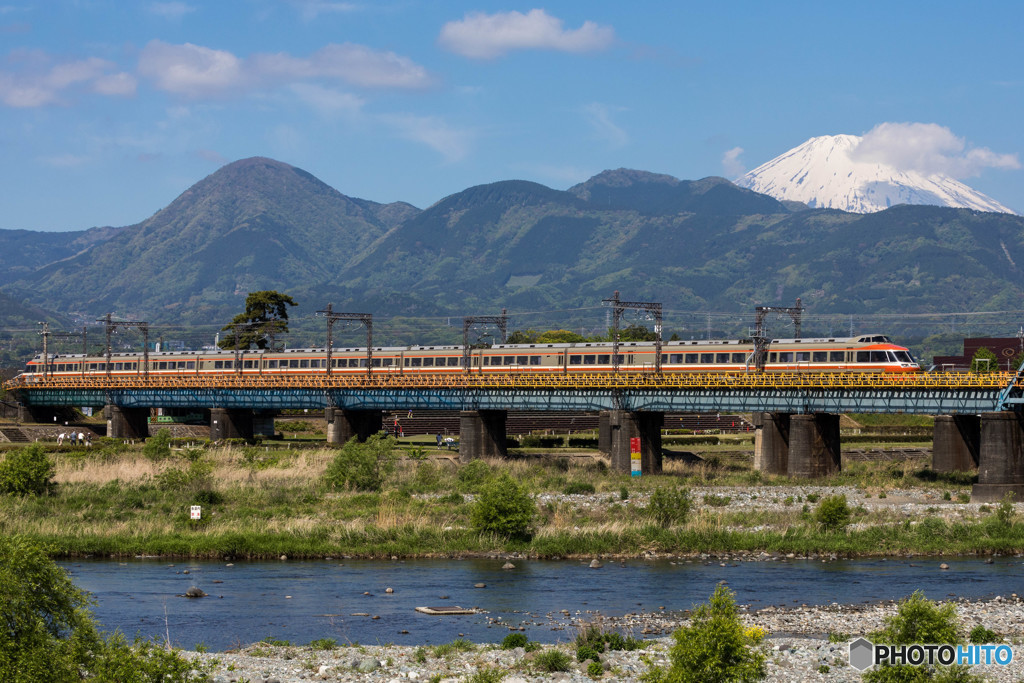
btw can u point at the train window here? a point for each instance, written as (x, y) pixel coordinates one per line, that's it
(819, 356)
(406, 362)
(428, 362)
(362, 362)
(487, 360)
(589, 359)
(863, 356)
(785, 356)
(534, 360)
(803, 356)
(376, 362)
(773, 357)
(521, 360)
(190, 365)
(417, 362)
(837, 356)
(304, 363)
(575, 360)
(453, 361)
(691, 358)
(293, 362)
(904, 357)
(604, 359)
(218, 365)
(272, 364)
(879, 357)
(161, 365)
(354, 362)
(249, 365)
(721, 358)
(675, 358)
(739, 358)
(707, 358)
(315, 363)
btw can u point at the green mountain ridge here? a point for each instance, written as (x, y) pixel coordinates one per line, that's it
(702, 245)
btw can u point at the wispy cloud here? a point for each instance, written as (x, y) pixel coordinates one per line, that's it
(327, 101)
(170, 10)
(731, 163)
(600, 118)
(927, 148)
(312, 9)
(35, 79)
(433, 132)
(196, 71)
(486, 36)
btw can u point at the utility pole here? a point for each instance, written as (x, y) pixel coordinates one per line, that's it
(364, 318)
(46, 352)
(144, 326)
(618, 307)
(471, 321)
(761, 342)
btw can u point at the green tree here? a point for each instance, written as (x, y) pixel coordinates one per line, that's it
(27, 471)
(635, 332)
(504, 507)
(523, 337)
(265, 317)
(833, 513)
(984, 361)
(715, 647)
(559, 337)
(49, 635)
(363, 466)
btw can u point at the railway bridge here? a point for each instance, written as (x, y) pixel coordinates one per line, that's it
(978, 416)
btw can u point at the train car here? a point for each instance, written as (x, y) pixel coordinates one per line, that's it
(862, 353)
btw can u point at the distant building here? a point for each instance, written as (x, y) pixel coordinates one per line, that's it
(1005, 349)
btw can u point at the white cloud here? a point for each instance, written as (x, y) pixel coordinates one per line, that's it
(452, 143)
(600, 118)
(191, 70)
(486, 36)
(36, 80)
(170, 10)
(196, 71)
(927, 148)
(731, 163)
(115, 84)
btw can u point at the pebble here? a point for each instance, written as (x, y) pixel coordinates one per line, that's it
(797, 645)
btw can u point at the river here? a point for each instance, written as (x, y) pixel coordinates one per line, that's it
(300, 601)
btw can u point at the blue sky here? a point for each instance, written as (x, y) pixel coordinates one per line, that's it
(109, 110)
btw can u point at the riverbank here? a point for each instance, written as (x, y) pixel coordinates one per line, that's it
(260, 503)
(798, 649)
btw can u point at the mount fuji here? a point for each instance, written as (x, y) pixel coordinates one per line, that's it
(825, 173)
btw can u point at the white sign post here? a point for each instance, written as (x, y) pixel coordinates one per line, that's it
(197, 512)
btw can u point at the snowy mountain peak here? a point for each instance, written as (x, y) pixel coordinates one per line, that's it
(827, 172)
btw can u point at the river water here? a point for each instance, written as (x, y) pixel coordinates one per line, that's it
(300, 601)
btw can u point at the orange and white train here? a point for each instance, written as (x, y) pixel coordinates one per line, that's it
(863, 353)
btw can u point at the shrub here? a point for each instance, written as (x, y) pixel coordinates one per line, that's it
(715, 646)
(595, 670)
(1005, 512)
(473, 474)
(27, 471)
(578, 487)
(514, 640)
(981, 635)
(717, 501)
(457, 645)
(669, 505)
(585, 652)
(323, 644)
(553, 660)
(504, 507)
(918, 620)
(487, 676)
(362, 466)
(832, 513)
(158, 447)
(623, 493)
(49, 635)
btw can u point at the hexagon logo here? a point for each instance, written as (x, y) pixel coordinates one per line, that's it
(862, 654)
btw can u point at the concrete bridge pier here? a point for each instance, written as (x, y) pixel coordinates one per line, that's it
(126, 423)
(344, 425)
(1001, 466)
(771, 442)
(482, 434)
(956, 443)
(814, 449)
(623, 426)
(231, 424)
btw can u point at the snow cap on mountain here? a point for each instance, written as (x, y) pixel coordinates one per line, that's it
(832, 171)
